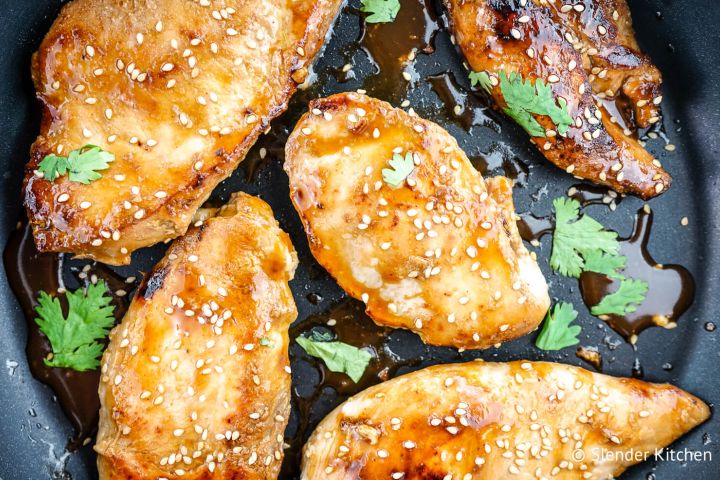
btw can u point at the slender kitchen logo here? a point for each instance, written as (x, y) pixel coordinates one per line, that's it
(683, 455)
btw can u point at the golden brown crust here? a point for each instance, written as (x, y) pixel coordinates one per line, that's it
(499, 420)
(195, 382)
(440, 255)
(177, 90)
(585, 51)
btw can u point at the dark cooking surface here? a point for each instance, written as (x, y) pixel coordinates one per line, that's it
(681, 39)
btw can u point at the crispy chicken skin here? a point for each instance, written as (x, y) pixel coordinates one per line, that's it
(439, 255)
(177, 90)
(498, 420)
(195, 382)
(586, 52)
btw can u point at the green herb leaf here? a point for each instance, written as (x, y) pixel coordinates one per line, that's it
(556, 332)
(481, 78)
(628, 296)
(266, 342)
(524, 99)
(575, 237)
(381, 11)
(609, 265)
(53, 167)
(81, 165)
(338, 356)
(74, 339)
(401, 168)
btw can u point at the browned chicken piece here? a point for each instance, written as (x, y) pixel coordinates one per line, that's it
(499, 420)
(587, 54)
(196, 382)
(430, 246)
(177, 91)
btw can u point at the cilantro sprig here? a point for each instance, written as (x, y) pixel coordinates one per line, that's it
(581, 244)
(381, 11)
(577, 237)
(338, 356)
(557, 331)
(624, 300)
(524, 99)
(400, 168)
(74, 339)
(80, 165)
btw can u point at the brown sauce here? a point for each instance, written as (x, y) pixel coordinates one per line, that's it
(458, 105)
(532, 227)
(671, 287)
(620, 113)
(392, 46)
(349, 323)
(29, 272)
(588, 194)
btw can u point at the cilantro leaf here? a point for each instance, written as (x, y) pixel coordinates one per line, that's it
(53, 167)
(625, 300)
(575, 237)
(524, 99)
(556, 332)
(609, 265)
(481, 78)
(80, 164)
(381, 11)
(74, 339)
(401, 169)
(338, 356)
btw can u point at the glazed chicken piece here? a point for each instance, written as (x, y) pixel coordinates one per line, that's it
(177, 91)
(587, 54)
(196, 382)
(496, 421)
(438, 252)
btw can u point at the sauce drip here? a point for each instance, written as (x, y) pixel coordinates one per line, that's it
(349, 323)
(532, 227)
(588, 194)
(671, 288)
(458, 105)
(29, 272)
(501, 160)
(392, 46)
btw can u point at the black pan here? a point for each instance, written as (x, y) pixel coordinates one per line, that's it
(681, 37)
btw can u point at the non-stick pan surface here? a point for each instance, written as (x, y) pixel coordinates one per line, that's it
(682, 37)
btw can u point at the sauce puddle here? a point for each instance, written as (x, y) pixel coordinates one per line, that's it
(29, 272)
(392, 47)
(349, 323)
(458, 104)
(671, 288)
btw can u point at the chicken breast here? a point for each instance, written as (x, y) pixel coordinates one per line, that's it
(499, 420)
(428, 245)
(584, 52)
(177, 91)
(196, 382)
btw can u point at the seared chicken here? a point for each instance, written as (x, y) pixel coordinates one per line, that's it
(585, 52)
(195, 382)
(435, 250)
(177, 91)
(499, 420)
